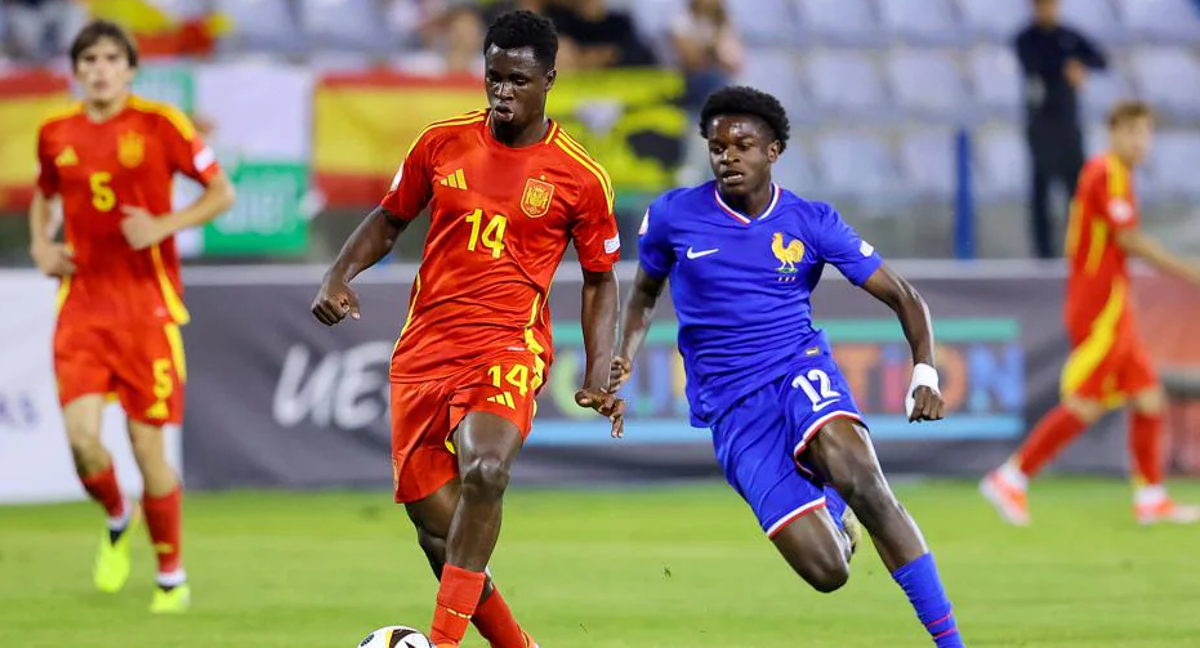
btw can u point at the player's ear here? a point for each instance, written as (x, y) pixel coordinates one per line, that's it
(773, 151)
(551, 76)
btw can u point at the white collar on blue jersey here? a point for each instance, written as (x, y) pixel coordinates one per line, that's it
(742, 218)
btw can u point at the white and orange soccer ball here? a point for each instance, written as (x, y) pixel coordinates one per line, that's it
(396, 637)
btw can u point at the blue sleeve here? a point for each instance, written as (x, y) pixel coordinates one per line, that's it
(655, 251)
(843, 248)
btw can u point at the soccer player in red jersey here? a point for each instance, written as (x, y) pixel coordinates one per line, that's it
(110, 159)
(507, 189)
(1108, 367)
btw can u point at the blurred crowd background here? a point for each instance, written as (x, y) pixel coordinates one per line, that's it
(935, 128)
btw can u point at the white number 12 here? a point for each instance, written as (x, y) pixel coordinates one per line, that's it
(818, 398)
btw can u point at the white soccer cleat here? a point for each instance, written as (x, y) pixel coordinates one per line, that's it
(1166, 511)
(1008, 500)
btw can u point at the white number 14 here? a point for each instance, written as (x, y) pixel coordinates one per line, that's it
(822, 394)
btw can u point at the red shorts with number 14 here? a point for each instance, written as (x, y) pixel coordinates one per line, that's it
(425, 415)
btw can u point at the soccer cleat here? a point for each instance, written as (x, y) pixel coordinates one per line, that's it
(112, 557)
(1166, 511)
(529, 642)
(1008, 500)
(173, 601)
(852, 528)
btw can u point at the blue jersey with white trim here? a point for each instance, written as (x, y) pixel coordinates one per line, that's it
(742, 286)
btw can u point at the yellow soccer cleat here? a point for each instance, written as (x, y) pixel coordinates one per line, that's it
(112, 557)
(173, 601)
(853, 529)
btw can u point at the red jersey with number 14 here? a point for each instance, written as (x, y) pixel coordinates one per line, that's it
(501, 218)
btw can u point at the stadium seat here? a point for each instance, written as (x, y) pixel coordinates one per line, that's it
(653, 21)
(764, 22)
(261, 25)
(350, 25)
(778, 72)
(846, 83)
(1002, 163)
(927, 161)
(994, 20)
(1102, 90)
(996, 80)
(1163, 20)
(1095, 139)
(927, 83)
(1169, 78)
(794, 170)
(1097, 19)
(925, 22)
(1173, 165)
(840, 22)
(855, 164)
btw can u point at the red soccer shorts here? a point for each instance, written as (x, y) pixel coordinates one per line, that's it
(142, 367)
(425, 415)
(1107, 363)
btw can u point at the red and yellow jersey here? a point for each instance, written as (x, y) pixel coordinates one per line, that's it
(1098, 273)
(97, 168)
(501, 218)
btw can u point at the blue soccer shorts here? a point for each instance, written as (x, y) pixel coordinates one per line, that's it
(759, 441)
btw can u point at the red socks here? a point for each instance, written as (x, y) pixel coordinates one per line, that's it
(457, 599)
(1145, 444)
(163, 518)
(495, 622)
(103, 488)
(1049, 437)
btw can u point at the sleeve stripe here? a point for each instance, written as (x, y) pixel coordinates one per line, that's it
(168, 112)
(203, 159)
(461, 120)
(1118, 183)
(605, 180)
(608, 197)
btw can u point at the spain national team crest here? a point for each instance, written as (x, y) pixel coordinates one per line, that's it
(131, 150)
(535, 202)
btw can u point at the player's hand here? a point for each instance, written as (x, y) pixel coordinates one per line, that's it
(607, 404)
(141, 228)
(1075, 72)
(618, 374)
(334, 302)
(928, 405)
(53, 260)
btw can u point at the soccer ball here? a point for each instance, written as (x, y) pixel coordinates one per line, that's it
(396, 637)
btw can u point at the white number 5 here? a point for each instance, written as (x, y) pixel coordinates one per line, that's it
(822, 398)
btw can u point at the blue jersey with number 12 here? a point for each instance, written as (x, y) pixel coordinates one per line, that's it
(741, 286)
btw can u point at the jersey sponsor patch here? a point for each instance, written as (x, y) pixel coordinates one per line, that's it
(396, 178)
(204, 158)
(613, 244)
(866, 249)
(645, 226)
(1120, 210)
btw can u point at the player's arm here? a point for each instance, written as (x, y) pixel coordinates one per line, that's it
(639, 313)
(142, 229)
(1135, 242)
(52, 259)
(923, 401)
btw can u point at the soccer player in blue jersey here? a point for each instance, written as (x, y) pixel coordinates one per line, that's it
(743, 257)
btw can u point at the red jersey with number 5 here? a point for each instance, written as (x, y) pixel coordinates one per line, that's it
(1098, 279)
(501, 218)
(98, 168)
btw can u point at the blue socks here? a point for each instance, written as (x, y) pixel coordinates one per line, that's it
(920, 581)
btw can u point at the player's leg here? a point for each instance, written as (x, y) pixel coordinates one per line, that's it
(431, 517)
(842, 453)
(83, 379)
(816, 549)
(1039, 200)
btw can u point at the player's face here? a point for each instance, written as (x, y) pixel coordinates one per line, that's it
(741, 151)
(1133, 139)
(1045, 12)
(516, 85)
(104, 72)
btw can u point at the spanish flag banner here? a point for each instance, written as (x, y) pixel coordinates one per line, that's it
(25, 100)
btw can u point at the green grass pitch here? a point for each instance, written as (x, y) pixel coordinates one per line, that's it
(682, 567)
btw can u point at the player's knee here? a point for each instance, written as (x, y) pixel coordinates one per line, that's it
(1086, 410)
(827, 571)
(1151, 402)
(485, 477)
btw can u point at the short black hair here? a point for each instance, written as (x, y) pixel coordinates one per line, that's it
(523, 28)
(743, 100)
(98, 30)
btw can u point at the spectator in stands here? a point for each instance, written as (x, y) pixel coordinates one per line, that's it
(593, 36)
(451, 44)
(708, 49)
(40, 29)
(1055, 60)
(493, 8)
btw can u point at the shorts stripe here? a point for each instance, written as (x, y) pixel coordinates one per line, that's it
(817, 425)
(794, 515)
(1087, 358)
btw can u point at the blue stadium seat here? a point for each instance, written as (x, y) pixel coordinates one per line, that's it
(1163, 20)
(846, 83)
(855, 164)
(794, 170)
(994, 20)
(1173, 165)
(764, 22)
(261, 25)
(1169, 78)
(927, 161)
(926, 22)
(1097, 19)
(996, 80)
(1102, 90)
(349, 25)
(927, 83)
(1095, 139)
(840, 22)
(1002, 163)
(778, 72)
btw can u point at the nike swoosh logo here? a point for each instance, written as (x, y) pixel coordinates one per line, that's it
(692, 254)
(818, 408)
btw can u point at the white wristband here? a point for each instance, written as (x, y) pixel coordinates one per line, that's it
(923, 375)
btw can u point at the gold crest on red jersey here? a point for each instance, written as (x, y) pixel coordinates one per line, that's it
(131, 150)
(535, 202)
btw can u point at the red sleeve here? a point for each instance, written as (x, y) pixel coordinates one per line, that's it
(412, 186)
(186, 151)
(595, 228)
(47, 175)
(1116, 199)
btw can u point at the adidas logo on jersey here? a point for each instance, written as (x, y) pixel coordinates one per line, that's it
(503, 398)
(455, 180)
(67, 157)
